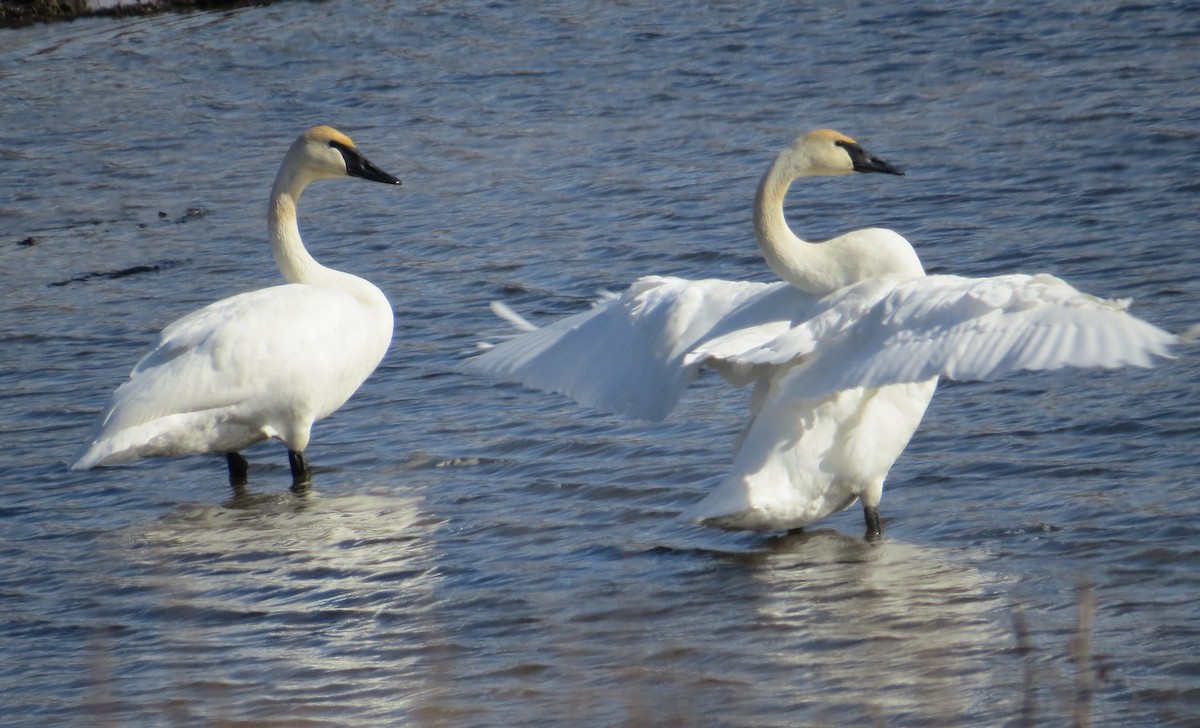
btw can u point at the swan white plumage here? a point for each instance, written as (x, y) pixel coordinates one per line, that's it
(262, 364)
(844, 355)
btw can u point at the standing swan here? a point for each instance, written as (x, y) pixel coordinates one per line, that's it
(844, 354)
(262, 364)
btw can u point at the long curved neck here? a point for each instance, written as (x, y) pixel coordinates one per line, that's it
(297, 266)
(293, 259)
(813, 267)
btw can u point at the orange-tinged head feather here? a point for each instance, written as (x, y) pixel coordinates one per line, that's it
(828, 135)
(327, 134)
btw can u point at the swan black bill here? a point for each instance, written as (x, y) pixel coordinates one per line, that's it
(359, 166)
(864, 161)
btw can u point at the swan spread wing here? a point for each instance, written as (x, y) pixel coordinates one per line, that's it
(630, 353)
(848, 386)
(885, 331)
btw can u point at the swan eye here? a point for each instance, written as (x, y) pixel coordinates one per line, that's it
(343, 148)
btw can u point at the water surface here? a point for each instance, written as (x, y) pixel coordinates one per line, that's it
(476, 554)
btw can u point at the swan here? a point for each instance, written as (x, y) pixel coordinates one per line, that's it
(262, 364)
(844, 354)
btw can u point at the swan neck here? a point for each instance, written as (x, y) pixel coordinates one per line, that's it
(811, 267)
(770, 225)
(293, 259)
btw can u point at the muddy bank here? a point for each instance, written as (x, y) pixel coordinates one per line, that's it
(19, 13)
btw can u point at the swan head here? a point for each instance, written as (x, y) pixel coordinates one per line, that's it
(325, 153)
(825, 152)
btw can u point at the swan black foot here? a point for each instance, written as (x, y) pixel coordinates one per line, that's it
(301, 475)
(874, 523)
(239, 470)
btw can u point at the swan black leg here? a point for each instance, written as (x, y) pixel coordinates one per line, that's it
(238, 471)
(874, 524)
(301, 475)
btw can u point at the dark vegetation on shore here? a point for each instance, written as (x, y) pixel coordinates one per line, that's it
(20, 13)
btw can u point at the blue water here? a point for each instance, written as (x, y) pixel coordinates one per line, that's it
(477, 554)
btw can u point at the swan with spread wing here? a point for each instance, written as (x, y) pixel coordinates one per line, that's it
(844, 354)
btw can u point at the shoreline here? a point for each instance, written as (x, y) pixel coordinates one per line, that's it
(24, 13)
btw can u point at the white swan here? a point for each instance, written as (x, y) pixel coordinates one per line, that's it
(262, 364)
(844, 355)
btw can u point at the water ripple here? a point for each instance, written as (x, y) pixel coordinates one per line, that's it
(475, 554)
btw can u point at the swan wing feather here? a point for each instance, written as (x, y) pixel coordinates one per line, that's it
(960, 328)
(222, 362)
(631, 353)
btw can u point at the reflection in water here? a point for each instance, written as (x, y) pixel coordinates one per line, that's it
(809, 628)
(314, 579)
(889, 626)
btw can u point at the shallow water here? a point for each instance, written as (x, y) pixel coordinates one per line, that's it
(476, 554)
